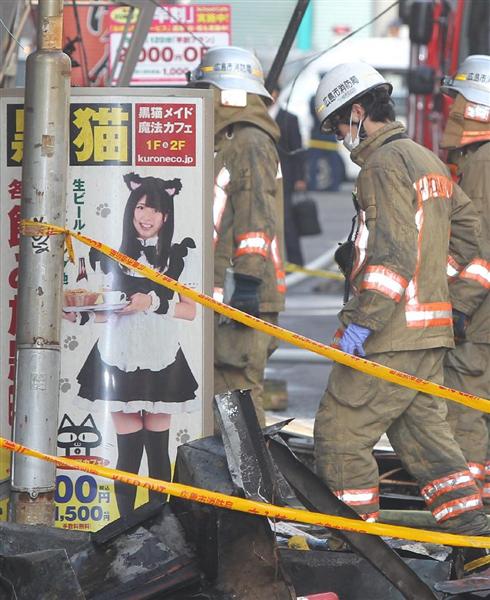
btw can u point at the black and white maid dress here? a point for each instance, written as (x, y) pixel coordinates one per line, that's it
(137, 363)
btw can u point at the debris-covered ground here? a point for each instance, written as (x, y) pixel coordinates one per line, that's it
(187, 550)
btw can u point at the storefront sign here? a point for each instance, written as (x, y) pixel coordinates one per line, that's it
(135, 373)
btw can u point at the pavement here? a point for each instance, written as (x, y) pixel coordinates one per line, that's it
(311, 310)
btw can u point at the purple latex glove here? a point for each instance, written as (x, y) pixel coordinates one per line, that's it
(353, 339)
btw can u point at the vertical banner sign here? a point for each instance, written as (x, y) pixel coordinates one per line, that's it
(12, 138)
(133, 369)
(88, 47)
(176, 42)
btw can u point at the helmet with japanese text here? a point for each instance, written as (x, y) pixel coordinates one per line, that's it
(341, 86)
(231, 68)
(472, 80)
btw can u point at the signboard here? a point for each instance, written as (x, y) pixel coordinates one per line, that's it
(176, 42)
(90, 60)
(136, 365)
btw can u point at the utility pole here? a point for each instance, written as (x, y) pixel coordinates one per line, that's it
(286, 43)
(44, 173)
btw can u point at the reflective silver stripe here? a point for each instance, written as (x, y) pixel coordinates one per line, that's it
(477, 112)
(456, 507)
(446, 484)
(385, 281)
(478, 269)
(476, 470)
(426, 315)
(358, 496)
(254, 242)
(451, 270)
(220, 198)
(370, 519)
(361, 243)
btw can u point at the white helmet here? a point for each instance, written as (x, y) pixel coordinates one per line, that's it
(231, 68)
(341, 86)
(472, 80)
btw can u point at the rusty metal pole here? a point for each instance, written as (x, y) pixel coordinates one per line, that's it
(44, 173)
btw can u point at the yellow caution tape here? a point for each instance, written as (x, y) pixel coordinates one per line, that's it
(271, 511)
(292, 268)
(355, 362)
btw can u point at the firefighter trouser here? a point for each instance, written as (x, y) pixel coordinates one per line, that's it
(357, 409)
(240, 357)
(467, 368)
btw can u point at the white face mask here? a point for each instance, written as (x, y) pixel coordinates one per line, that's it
(350, 143)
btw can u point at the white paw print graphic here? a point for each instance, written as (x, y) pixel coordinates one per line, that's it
(182, 436)
(103, 210)
(70, 342)
(65, 385)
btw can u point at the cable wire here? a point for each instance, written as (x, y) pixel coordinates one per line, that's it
(344, 39)
(319, 54)
(11, 35)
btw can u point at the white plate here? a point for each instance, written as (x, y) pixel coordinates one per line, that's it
(96, 307)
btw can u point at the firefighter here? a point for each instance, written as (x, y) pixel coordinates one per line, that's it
(248, 221)
(400, 314)
(467, 366)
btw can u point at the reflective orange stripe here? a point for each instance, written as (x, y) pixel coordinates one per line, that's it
(477, 270)
(336, 338)
(433, 185)
(360, 245)
(385, 281)
(434, 314)
(453, 268)
(477, 470)
(430, 314)
(370, 517)
(470, 137)
(441, 486)
(278, 266)
(253, 242)
(486, 485)
(452, 509)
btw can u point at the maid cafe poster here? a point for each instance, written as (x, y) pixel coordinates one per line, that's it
(136, 364)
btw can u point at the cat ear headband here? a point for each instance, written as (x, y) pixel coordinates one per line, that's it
(172, 187)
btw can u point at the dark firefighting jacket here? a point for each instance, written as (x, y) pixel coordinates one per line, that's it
(248, 202)
(472, 283)
(411, 217)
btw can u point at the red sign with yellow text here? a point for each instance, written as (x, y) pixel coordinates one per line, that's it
(176, 41)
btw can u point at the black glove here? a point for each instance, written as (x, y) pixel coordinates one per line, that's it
(246, 294)
(460, 323)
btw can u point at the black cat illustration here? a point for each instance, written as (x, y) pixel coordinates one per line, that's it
(78, 440)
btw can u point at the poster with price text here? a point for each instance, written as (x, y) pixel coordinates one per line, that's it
(176, 41)
(135, 374)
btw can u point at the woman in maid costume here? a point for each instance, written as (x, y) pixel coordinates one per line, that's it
(137, 367)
